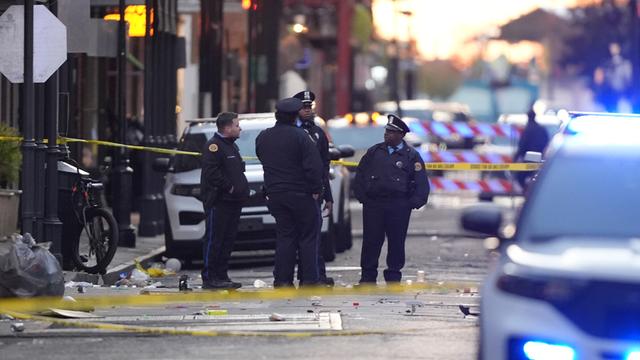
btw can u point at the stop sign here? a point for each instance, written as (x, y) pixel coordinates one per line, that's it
(49, 43)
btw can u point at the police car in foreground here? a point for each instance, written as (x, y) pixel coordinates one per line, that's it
(567, 283)
(184, 223)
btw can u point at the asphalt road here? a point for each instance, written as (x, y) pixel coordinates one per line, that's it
(411, 325)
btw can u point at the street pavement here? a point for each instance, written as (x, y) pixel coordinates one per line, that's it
(408, 325)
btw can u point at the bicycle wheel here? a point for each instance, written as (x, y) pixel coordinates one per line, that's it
(97, 243)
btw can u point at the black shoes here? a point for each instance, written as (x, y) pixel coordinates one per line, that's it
(221, 285)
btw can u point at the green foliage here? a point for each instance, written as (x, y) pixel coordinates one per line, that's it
(439, 79)
(10, 156)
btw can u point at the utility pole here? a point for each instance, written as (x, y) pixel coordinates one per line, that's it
(122, 172)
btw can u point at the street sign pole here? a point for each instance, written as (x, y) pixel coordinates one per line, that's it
(52, 224)
(28, 126)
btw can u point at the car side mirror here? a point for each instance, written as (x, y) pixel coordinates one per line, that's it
(533, 157)
(161, 164)
(334, 154)
(485, 219)
(346, 151)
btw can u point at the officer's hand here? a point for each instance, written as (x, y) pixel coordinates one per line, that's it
(328, 206)
(315, 196)
(231, 190)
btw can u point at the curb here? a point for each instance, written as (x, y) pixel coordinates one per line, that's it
(358, 233)
(113, 274)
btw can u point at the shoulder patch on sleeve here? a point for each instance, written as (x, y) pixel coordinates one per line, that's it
(213, 147)
(417, 166)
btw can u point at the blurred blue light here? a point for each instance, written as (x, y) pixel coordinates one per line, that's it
(538, 350)
(633, 355)
(610, 128)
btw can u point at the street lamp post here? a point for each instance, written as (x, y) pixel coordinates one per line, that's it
(122, 173)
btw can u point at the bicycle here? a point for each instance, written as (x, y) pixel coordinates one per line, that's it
(95, 234)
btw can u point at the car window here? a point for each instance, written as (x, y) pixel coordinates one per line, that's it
(247, 145)
(590, 197)
(189, 142)
(358, 137)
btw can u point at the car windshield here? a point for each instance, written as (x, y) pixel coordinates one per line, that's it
(422, 114)
(195, 142)
(586, 197)
(358, 137)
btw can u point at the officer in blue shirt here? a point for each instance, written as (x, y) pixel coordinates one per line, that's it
(390, 181)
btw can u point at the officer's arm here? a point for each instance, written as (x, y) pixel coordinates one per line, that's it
(422, 188)
(311, 163)
(212, 169)
(523, 145)
(326, 162)
(360, 180)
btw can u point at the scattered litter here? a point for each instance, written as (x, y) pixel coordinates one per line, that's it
(69, 298)
(81, 289)
(17, 327)
(433, 238)
(6, 317)
(72, 284)
(315, 298)
(466, 310)
(183, 283)
(310, 311)
(420, 276)
(276, 317)
(71, 314)
(173, 264)
(138, 275)
(217, 312)
(259, 284)
(440, 282)
(213, 306)
(466, 254)
(409, 282)
(155, 285)
(414, 305)
(355, 303)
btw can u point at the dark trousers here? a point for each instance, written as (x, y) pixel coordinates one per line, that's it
(322, 269)
(222, 227)
(380, 218)
(296, 217)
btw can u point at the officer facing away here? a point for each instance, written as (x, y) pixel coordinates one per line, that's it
(293, 185)
(306, 121)
(390, 181)
(224, 188)
(534, 138)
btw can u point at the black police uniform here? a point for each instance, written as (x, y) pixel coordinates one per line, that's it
(321, 141)
(292, 173)
(222, 171)
(388, 186)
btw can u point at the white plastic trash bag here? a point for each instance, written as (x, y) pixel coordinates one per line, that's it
(28, 269)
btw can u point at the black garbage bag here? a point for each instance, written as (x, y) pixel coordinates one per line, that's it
(28, 269)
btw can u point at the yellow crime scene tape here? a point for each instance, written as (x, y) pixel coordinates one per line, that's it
(428, 166)
(155, 297)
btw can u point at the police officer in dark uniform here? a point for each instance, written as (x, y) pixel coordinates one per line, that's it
(390, 181)
(293, 185)
(306, 121)
(223, 188)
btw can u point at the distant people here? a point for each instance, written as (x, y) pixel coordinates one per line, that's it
(391, 180)
(534, 138)
(293, 186)
(612, 81)
(224, 189)
(306, 121)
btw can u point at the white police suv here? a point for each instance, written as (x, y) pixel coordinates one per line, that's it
(184, 223)
(567, 283)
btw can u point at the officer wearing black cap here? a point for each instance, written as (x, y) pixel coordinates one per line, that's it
(306, 121)
(390, 181)
(293, 185)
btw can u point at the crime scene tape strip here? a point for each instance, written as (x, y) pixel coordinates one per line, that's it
(464, 166)
(496, 186)
(428, 166)
(464, 156)
(30, 305)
